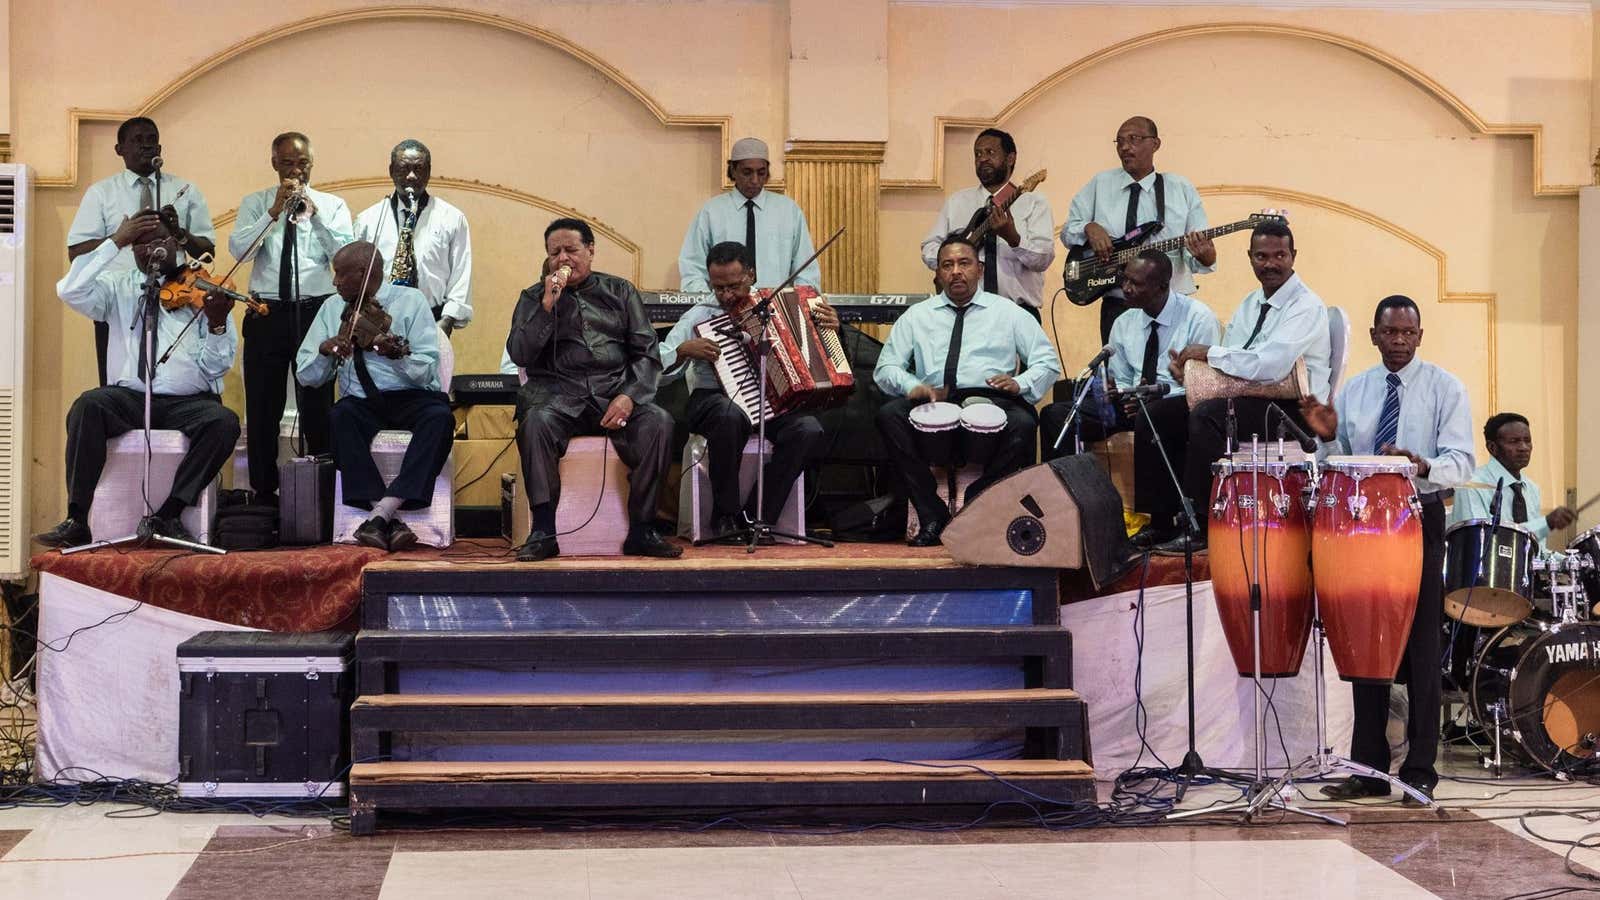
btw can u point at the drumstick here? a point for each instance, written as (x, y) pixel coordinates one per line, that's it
(1587, 503)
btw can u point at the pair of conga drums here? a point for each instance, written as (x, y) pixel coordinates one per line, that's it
(1355, 542)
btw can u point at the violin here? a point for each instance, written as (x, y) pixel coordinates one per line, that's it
(189, 285)
(366, 323)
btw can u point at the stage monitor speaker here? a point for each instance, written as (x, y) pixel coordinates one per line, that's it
(1062, 514)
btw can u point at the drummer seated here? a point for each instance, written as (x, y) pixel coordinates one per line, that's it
(1508, 496)
(963, 342)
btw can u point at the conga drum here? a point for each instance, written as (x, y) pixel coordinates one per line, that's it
(936, 425)
(1278, 492)
(1366, 548)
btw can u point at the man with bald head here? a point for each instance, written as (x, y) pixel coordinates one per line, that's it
(1116, 201)
(391, 383)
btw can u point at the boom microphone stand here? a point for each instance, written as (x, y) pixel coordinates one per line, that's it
(150, 307)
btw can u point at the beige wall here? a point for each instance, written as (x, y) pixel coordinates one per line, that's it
(1402, 147)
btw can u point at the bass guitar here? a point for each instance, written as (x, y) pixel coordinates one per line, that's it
(1086, 277)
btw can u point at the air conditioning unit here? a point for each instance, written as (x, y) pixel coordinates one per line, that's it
(15, 193)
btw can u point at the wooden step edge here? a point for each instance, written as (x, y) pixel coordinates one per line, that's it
(674, 772)
(386, 634)
(786, 698)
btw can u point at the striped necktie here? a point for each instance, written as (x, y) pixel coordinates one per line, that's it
(1389, 420)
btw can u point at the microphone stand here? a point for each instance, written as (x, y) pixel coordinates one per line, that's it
(150, 312)
(1081, 390)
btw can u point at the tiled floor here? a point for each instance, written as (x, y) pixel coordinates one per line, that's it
(1480, 850)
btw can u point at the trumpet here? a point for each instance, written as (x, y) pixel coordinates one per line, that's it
(296, 207)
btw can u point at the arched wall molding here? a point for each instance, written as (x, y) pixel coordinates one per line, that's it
(1383, 58)
(1441, 259)
(479, 187)
(76, 116)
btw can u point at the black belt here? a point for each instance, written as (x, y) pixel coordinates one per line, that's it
(273, 301)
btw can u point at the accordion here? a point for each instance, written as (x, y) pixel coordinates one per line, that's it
(806, 370)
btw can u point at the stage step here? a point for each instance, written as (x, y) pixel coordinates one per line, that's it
(1059, 716)
(1048, 648)
(642, 785)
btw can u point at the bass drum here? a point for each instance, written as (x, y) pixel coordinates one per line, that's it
(1543, 688)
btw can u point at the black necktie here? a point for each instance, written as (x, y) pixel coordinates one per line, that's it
(991, 266)
(1260, 321)
(1519, 503)
(1152, 352)
(365, 377)
(952, 359)
(1132, 221)
(750, 227)
(286, 262)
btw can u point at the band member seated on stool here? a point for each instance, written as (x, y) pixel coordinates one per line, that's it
(590, 353)
(394, 385)
(1411, 408)
(1159, 321)
(187, 388)
(1510, 444)
(1276, 325)
(964, 342)
(796, 438)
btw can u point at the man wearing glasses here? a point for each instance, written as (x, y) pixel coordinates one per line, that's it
(1116, 201)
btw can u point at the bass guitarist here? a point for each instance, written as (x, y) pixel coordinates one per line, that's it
(1117, 201)
(1016, 248)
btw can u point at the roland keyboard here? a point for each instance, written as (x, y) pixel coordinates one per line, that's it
(666, 306)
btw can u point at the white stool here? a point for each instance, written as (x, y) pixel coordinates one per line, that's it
(694, 491)
(118, 501)
(434, 526)
(965, 476)
(582, 481)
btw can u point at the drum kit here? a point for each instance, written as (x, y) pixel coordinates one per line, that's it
(1533, 679)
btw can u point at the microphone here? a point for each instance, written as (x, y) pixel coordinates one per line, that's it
(1307, 443)
(557, 282)
(158, 254)
(1149, 391)
(1494, 505)
(411, 198)
(1104, 354)
(156, 163)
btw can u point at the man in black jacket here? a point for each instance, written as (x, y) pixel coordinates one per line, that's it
(590, 353)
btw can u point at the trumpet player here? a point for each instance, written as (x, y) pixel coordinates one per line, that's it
(425, 239)
(295, 231)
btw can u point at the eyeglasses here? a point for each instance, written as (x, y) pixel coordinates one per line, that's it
(1132, 140)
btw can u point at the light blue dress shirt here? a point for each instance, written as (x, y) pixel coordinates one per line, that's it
(108, 201)
(700, 373)
(1472, 503)
(783, 241)
(1435, 421)
(1021, 272)
(316, 242)
(1183, 321)
(1296, 327)
(95, 287)
(413, 320)
(1105, 200)
(997, 338)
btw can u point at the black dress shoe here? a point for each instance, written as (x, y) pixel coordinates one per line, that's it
(373, 533)
(644, 541)
(401, 537)
(1174, 547)
(1150, 537)
(726, 529)
(1354, 788)
(156, 526)
(538, 546)
(1409, 801)
(928, 534)
(70, 533)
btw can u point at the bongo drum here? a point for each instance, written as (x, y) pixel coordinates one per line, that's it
(1278, 491)
(1366, 547)
(936, 425)
(983, 428)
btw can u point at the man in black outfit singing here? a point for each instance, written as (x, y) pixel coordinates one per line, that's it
(590, 353)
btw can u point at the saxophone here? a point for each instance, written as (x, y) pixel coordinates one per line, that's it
(403, 270)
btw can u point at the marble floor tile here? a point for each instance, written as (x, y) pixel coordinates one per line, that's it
(1291, 870)
(489, 875)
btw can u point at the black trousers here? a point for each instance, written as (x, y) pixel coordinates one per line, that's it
(1153, 490)
(270, 345)
(101, 414)
(1208, 435)
(1419, 671)
(1016, 451)
(644, 445)
(102, 340)
(357, 420)
(797, 441)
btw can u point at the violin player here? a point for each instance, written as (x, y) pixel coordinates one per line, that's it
(381, 343)
(186, 388)
(295, 230)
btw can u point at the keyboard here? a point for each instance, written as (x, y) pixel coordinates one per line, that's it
(666, 306)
